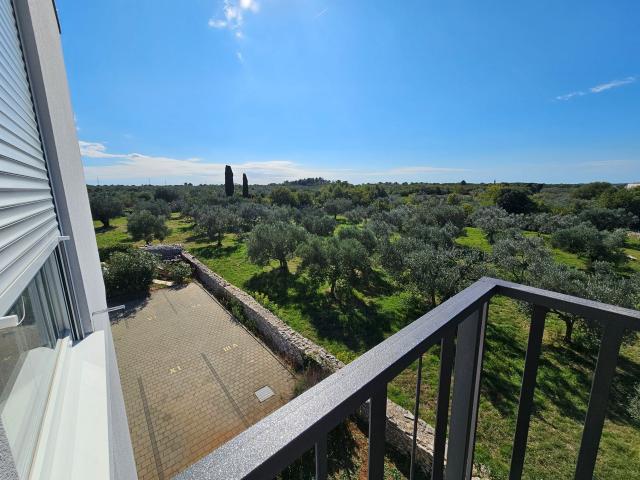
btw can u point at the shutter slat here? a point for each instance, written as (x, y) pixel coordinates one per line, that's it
(28, 225)
(24, 169)
(17, 230)
(15, 139)
(18, 198)
(12, 113)
(20, 213)
(8, 34)
(22, 106)
(14, 77)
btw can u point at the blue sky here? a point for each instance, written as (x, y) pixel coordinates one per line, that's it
(365, 91)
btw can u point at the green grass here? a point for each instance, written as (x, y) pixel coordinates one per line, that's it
(474, 238)
(633, 249)
(377, 310)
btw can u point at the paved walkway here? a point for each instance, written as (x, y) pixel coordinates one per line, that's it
(189, 374)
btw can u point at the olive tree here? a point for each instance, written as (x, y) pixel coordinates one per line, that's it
(493, 220)
(274, 241)
(104, 207)
(587, 240)
(318, 223)
(215, 221)
(336, 206)
(144, 225)
(428, 271)
(515, 255)
(339, 262)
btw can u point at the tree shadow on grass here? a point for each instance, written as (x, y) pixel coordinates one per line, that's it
(564, 372)
(351, 321)
(103, 229)
(564, 378)
(376, 285)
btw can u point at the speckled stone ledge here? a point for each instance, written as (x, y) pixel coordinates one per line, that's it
(299, 350)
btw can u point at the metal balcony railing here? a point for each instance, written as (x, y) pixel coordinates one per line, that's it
(458, 324)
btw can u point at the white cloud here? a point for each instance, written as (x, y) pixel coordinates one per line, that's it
(568, 96)
(233, 12)
(250, 5)
(598, 88)
(139, 168)
(217, 23)
(321, 12)
(95, 150)
(612, 84)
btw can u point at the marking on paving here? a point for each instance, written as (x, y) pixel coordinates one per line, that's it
(224, 389)
(230, 347)
(152, 435)
(175, 369)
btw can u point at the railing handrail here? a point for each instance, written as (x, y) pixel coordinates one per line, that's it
(262, 450)
(567, 303)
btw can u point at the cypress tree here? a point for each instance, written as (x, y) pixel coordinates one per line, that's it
(228, 181)
(245, 186)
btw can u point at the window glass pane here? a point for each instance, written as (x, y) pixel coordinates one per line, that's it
(27, 360)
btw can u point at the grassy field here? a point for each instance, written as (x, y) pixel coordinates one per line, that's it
(348, 329)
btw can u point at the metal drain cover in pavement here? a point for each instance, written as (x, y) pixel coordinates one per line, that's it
(264, 394)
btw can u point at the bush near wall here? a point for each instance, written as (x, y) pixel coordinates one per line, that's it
(176, 271)
(129, 272)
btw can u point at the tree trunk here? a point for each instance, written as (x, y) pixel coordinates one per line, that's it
(333, 289)
(283, 265)
(219, 239)
(568, 333)
(105, 223)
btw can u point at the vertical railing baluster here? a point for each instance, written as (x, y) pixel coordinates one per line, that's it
(442, 408)
(416, 413)
(377, 426)
(534, 345)
(597, 410)
(466, 393)
(321, 458)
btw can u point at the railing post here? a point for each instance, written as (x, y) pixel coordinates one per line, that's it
(466, 393)
(534, 345)
(447, 347)
(597, 410)
(321, 458)
(377, 426)
(416, 416)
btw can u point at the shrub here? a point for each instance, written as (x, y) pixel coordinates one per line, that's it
(106, 252)
(515, 201)
(587, 240)
(319, 224)
(129, 272)
(178, 272)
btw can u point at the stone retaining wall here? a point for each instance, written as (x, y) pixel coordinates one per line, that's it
(300, 351)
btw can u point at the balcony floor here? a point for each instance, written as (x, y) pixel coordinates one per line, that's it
(189, 374)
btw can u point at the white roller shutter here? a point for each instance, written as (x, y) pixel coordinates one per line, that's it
(28, 225)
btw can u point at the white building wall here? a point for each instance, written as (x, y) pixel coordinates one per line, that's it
(43, 54)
